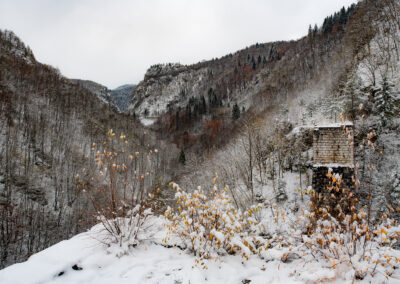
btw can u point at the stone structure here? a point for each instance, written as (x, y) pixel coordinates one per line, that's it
(333, 148)
(332, 145)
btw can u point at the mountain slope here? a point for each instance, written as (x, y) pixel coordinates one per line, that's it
(48, 126)
(271, 155)
(122, 95)
(189, 103)
(99, 90)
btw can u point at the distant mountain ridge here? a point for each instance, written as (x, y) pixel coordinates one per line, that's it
(125, 86)
(99, 90)
(122, 95)
(117, 98)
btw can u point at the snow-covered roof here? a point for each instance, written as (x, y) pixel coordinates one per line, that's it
(334, 125)
(333, 165)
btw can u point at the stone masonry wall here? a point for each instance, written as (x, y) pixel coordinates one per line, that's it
(332, 149)
(331, 146)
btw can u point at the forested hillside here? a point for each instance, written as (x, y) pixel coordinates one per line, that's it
(344, 70)
(193, 105)
(48, 127)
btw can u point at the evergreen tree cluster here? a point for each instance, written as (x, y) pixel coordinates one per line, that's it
(213, 100)
(385, 102)
(182, 94)
(235, 112)
(182, 157)
(260, 61)
(195, 107)
(338, 18)
(274, 54)
(394, 192)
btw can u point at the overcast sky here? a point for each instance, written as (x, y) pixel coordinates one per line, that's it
(113, 42)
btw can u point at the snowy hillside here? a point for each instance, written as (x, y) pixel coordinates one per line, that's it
(16, 47)
(47, 129)
(171, 86)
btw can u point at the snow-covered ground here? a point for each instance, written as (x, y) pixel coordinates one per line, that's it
(85, 259)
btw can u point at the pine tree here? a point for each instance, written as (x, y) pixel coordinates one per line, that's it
(189, 111)
(352, 96)
(281, 194)
(310, 35)
(394, 192)
(343, 16)
(203, 106)
(182, 158)
(334, 107)
(384, 102)
(389, 195)
(315, 30)
(177, 120)
(235, 112)
(381, 203)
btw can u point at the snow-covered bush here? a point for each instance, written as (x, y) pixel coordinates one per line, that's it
(346, 239)
(118, 188)
(125, 232)
(210, 226)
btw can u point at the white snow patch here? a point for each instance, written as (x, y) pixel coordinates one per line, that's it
(147, 121)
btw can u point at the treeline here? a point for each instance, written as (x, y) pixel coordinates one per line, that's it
(333, 23)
